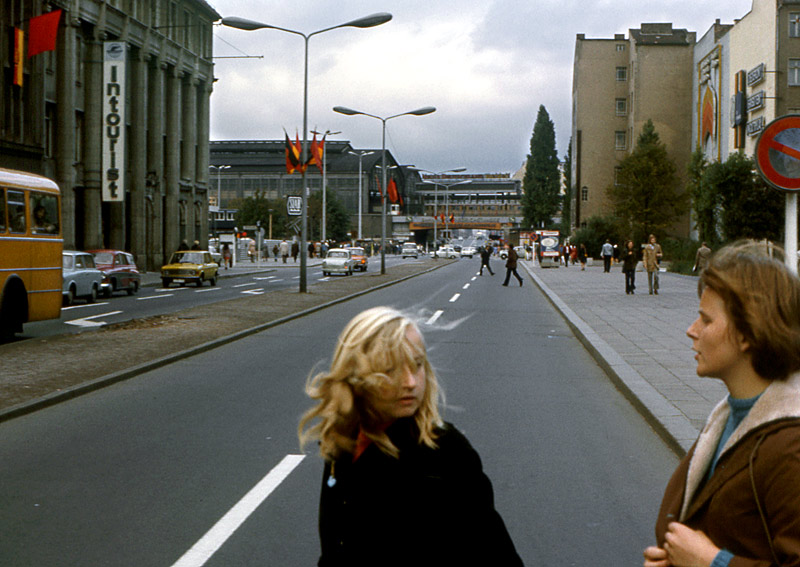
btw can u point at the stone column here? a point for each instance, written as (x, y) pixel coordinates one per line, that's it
(137, 147)
(203, 135)
(65, 93)
(189, 149)
(155, 163)
(172, 162)
(93, 123)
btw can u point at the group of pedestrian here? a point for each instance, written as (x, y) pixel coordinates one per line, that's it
(651, 260)
(401, 486)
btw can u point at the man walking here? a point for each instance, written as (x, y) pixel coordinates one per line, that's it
(651, 259)
(486, 253)
(511, 265)
(284, 248)
(607, 252)
(702, 258)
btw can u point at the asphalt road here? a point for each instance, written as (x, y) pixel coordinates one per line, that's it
(156, 300)
(140, 473)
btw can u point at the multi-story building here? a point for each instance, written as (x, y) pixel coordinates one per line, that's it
(618, 85)
(118, 116)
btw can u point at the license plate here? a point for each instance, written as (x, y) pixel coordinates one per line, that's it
(181, 280)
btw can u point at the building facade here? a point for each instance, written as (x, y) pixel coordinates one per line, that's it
(618, 85)
(118, 116)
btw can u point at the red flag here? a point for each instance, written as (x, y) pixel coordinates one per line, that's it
(42, 33)
(452, 218)
(298, 148)
(317, 150)
(441, 215)
(19, 47)
(392, 190)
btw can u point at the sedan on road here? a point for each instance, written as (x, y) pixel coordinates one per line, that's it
(468, 251)
(360, 258)
(409, 250)
(120, 270)
(80, 277)
(338, 261)
(190, 266)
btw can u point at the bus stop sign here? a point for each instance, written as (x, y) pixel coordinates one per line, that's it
(294, 205)
(778, 153)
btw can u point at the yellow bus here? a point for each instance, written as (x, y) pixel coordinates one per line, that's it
(31, 242)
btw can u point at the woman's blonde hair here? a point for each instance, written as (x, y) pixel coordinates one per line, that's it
(372, 351)
(763, 300)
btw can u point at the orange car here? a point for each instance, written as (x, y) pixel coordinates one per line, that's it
(360, 257)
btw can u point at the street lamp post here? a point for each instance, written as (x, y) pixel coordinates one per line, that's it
(324, 187)
(360, 179)
(250, 25)
(435, 185)
(219, 169)
(350, 112)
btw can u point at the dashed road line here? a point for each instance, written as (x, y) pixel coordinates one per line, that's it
(245, 284)
(155, 297)
(466, 286)
(84, 305)
(434, 317)
(208, 289)
(455, 297)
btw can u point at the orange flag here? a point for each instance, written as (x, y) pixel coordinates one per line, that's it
(42, 32)
(317, 149)
(392, 190)
(19, 48)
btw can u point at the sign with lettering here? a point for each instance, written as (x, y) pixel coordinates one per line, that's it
(294, 205)
(756, 75)
(755, 101)
(754, 127)
(113, 127)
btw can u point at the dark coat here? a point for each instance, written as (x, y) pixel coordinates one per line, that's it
(486, 253)
(511, 262)
(429, 507)
(629, 261)
(724, 506)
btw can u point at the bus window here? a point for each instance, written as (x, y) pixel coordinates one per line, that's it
(2, 210)
(45, 213)
(16, 211)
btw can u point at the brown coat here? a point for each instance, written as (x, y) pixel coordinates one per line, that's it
(724, 506)
(511, 262)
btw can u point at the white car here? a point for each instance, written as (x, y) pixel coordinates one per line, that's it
(81, 278)
(468, 251)
(522, 254)
(409, 250)
(447, 252)
(338, 261)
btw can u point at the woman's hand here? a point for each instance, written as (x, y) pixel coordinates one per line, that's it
(655, 557)
(686, 547)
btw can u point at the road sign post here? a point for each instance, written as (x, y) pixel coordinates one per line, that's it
(778, 162)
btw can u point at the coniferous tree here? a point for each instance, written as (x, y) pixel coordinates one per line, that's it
(542, 181)
(566, 202)
(646, 196)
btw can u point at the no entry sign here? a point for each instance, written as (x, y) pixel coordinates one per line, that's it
(778, 153)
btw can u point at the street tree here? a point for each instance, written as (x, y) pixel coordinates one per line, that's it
(542, 180)
(705, 203)
(646, 196)
(337, 219)
(566, 199)
(257, 208)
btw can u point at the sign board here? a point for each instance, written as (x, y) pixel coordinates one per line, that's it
(778, 153)
(294, 205)
(113, 128)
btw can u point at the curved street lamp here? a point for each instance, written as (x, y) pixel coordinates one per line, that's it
(350, 112)
(250, 25)
(360, 155)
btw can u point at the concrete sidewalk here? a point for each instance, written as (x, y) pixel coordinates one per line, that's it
(640, 340)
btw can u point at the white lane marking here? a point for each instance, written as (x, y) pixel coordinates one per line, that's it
(208, 289)
(245, 284)
(296, 278)
(434, 317)
(258, 291)
(263, 278)
(154, 297)
(85, 321)
(84, 305)
(466, 286)
(214, 538)
(171, 288)
(275, 281)
(474, 278)
(455, 297)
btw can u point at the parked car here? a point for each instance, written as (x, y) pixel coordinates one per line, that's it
(447, 252)
(338, 261)
(468, 251)
(121, 273)
(80, 277)
(410, 249)
(522, 254)
(360, 258)
(187, 266)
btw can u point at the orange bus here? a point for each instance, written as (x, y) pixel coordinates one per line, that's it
(30, 250)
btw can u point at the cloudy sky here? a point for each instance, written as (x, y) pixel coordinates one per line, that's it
(486, 65)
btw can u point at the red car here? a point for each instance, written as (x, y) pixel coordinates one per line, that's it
(120, 270)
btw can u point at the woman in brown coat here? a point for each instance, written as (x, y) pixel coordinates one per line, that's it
(734, 500)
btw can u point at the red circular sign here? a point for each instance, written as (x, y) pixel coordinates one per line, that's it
(778, 153)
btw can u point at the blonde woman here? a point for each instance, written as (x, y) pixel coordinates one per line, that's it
(734, 500)
(400, 486)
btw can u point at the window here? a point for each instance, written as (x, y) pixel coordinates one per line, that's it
(16, 211)
(620, 47)
(622, 73)
(2, 210)
(617, 171)
(44, 218)
(622, 107)
(619, 140)
(794, 24)
(794, 72)
(584, 193)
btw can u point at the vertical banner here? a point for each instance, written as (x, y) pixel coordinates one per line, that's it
(113, 172)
